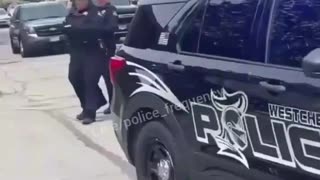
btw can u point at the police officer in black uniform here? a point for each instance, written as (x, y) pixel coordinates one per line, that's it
(84, 29)
(110, 15)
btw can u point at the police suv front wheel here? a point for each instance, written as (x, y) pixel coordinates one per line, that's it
(158, 155)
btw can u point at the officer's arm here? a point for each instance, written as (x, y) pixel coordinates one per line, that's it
(102, 23)
(110, 21)
(73, 32)
(91, 24)
(90, 30)
(66, 26)
(69, 28)
(95, 25)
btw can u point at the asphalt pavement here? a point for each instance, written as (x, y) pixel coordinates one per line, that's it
(4, 36)
(40, 138)
(6, 55)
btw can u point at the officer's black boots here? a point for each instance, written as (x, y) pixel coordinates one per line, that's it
(88, 121)
(107, 111)
(90, 117)
(81, 116)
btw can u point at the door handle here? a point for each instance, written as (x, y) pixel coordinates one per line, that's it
(273, 87)
(176, 66)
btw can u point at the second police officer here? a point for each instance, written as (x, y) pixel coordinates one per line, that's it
(110, 15)
(85, 27)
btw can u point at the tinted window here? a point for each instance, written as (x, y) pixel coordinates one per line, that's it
(191, 30)
(227, 28)
(295, 31)
(2, 12)
(148, 24)
(145, 30)
(164, 12)
(42, 11)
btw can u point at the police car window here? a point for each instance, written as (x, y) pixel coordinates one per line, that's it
(164, 12)
(227, 27)
(295, 31)
(191, 30)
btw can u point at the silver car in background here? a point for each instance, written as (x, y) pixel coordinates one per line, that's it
(4, 18)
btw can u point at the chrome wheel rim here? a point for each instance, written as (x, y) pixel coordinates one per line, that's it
(159, 163)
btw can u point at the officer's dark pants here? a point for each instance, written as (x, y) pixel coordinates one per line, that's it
(106, 77)
(110, 52)
(85, 69)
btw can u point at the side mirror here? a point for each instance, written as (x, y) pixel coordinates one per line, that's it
(311, 64)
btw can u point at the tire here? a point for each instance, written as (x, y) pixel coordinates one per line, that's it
(155, 140)
(24, 51)
(15, 50)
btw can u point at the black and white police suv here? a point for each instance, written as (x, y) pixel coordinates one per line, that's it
(220, 90)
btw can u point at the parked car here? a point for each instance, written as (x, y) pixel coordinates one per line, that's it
(223, 90)
(4, 17)
(36, 27)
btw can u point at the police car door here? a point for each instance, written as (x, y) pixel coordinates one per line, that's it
(220, 60)
(289, 100)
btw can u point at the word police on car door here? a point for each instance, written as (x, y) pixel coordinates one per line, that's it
(295, 142)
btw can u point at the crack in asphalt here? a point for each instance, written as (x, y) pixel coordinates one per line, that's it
(125, 167)
(22, 84)
(2, 62)
(49, 99)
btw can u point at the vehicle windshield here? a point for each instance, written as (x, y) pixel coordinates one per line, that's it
(120, 2)
(35, 12)
(2, 12)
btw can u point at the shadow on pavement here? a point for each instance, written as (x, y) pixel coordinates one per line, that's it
(102, 118)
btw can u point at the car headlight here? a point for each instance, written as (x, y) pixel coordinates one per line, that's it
(30, 30)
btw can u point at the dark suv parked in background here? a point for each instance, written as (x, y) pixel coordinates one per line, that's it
(37, 27)
(220, 89)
